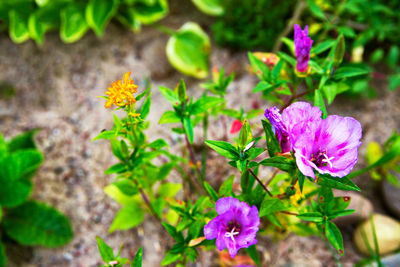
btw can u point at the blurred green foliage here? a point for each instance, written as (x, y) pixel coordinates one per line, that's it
(252, 24)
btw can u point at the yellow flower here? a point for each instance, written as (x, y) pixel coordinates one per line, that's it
(121, 93)
(134, 115)
(297, 196)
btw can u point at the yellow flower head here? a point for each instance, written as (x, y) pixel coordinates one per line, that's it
(121, 92)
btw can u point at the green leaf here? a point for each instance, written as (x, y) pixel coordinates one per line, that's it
(173, 232)
(115, 193)
(188, 50)
(315, 9)
(127, 218)
(126, 186)
(226, 188)
(301, 178)
(346, 72)
(148, 13)
(170, 258)
(188, 126)
(137, 261)
(279, 162)
(339, 213)
(73, 23)
(210, 7)
(224, 149)
(108, 135)
(311, 216)
(15, 171)
(22, 141)
(170, 95)
(272, 143)
(343, 183)
(34, 223)
(322, 47)
(319, 102)
(259, 67)
(105, 250)
(116, 168)
(252, 252)
(211, 191)
(18, 27)
(271, 205)
(126, 16)
(169, 116)
(334, 236)
(169, 189)
(145, 109)
(99, 13)
(205, 103)
(394, 81)
(339, 51)
(158, 144)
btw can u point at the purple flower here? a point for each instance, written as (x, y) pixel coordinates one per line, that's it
(297, 119)
(331, 148)
(302, 45)
(235, 226)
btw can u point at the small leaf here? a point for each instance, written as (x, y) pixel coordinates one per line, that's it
(319, 102)
(150, 11)
(170, 95)
(105, 250)
(271, 205)
(169, 116)
(145, 109)
(334, 236)
(205, 103)
(22, 141)
(224, 149)
(210, 7)
(108, 135)
(137, 261)
(169, 189)
(188, 126)
(34, 223)
(339, 51)
(226, 188)
(315, 9)
(272, 143)
(170, 258)
(211, 191)
(311, 216)
(343, 183)
(127, 217)
(345, 72)
(252, 251)
(173, 232)
(158, 144)
(18, 27)
(279, 162)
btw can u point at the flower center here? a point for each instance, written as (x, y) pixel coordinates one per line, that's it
(232, 230)
(321, 159)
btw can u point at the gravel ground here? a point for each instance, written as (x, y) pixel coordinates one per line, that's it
(56, 88)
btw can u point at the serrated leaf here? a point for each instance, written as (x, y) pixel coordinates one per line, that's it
(35, 223)
(188, 50)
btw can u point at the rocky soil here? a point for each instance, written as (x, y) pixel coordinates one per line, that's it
(56, 90)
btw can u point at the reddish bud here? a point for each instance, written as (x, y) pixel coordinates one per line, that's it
(236, 126)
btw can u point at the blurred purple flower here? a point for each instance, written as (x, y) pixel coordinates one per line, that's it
(302, 45)
(331, 148)
(235, 226)
(297, 119)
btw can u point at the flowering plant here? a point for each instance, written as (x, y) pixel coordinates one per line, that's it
(310, 154)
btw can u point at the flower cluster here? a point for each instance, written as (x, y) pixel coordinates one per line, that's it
(121, 92)
(330, 146)
(302, 45)
(235, 227)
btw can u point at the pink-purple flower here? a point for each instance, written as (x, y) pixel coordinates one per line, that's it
(302, 45)
(329, 146)
(297, 119)
(331, 149)
(235, 226)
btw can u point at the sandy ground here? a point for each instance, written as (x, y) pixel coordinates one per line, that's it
(56, 88)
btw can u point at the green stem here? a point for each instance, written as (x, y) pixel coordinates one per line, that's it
(164, 29)
(192, 158)
(204, 152)
(261, 183)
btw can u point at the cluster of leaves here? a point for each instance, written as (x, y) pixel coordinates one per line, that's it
(33, 18)
(251, 24)
(28, 222)
(111, 260)
(367, 25)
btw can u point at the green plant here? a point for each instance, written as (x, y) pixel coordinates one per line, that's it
(111, 260)
(28, 222)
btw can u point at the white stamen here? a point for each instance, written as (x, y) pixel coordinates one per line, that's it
(328, 160)
(231, 234)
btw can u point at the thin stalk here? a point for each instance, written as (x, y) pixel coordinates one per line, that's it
(189, 178)
(204, 152)
(164, 29)
(261, 183)
(193, 159)
(289, 213)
